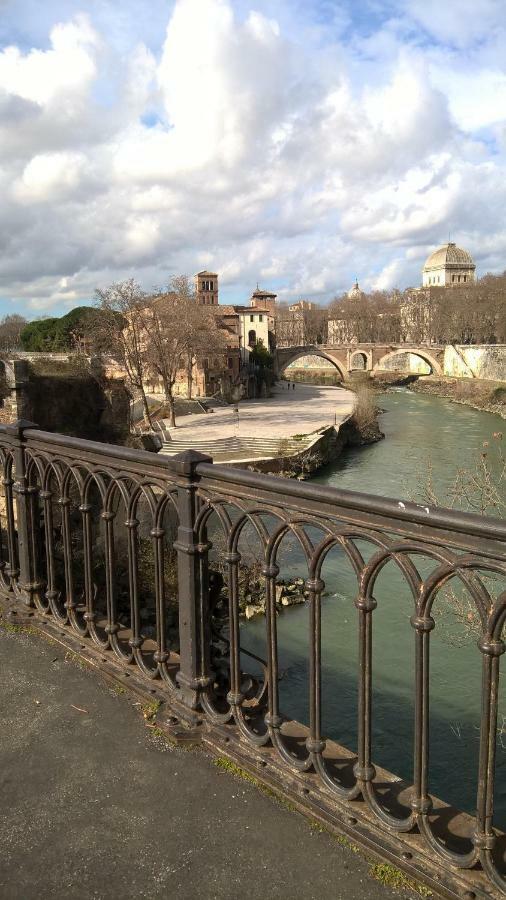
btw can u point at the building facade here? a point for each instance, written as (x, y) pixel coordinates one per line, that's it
(264, 300)
(206, 288)
(448, 266)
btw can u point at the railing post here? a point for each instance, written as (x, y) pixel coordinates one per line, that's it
(25, 524)
(194, 642)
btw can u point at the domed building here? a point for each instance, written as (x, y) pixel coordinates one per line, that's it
(355, 293)
(449, 266)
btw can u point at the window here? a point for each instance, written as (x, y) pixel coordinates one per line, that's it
(465, 278)
(453, 278)
(260, 318)
(252, 338)
(252, 318)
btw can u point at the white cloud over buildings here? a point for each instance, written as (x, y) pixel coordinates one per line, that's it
(301, 157)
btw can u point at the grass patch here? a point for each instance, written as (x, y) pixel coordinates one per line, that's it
(341, 839)
(116, 688)
(383, 872)
(14, 628)
(392, 877)
(226, 765)
(158, 733)
(77, 660)
(149, 710)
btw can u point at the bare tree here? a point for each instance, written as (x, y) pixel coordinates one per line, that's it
(368, 318)
(118, 329)
(11, 327)
(178, 331)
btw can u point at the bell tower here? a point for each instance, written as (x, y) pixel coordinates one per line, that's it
(206, 288)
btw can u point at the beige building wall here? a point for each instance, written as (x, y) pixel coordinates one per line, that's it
(253, 322)
(445, 277)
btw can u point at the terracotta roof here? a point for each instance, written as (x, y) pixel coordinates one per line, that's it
(259, 293)
(237, 310)
(205, 272)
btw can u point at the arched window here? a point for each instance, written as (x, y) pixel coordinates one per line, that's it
(252, 338)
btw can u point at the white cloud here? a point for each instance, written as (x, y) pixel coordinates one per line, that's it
(46, 75)
(477, 99)
(233, 145)
(457, 22)
(49, 176)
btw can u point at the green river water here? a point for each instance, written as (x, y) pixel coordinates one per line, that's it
(419, 430)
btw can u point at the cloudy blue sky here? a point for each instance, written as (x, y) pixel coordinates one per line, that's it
(295, 143)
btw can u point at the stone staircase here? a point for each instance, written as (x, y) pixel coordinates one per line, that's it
(236, 448)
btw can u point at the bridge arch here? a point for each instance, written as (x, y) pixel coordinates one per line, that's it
(358, 361)
(423, 354)
(288, 358)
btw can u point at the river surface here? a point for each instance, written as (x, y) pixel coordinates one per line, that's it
(420, 433)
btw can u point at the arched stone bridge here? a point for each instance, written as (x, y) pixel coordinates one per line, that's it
(367, 357)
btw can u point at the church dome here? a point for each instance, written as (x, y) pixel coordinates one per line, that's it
(449, 256)
(355, 293)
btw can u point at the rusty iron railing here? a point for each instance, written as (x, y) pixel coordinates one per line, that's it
(113, 545)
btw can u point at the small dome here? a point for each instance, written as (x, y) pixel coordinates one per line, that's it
(449, 256)
(355, 293)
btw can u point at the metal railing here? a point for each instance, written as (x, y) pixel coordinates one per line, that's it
(113, 544)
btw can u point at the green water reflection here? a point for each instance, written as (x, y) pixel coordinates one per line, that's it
(418, 430)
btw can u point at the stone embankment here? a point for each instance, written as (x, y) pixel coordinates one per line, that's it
(477, 393)
(486, 395)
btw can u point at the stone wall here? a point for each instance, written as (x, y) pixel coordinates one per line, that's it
(476, 361)
(63, 398)
(485, 361)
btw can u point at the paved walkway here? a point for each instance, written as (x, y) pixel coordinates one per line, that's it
(93, 806)
(289, 411)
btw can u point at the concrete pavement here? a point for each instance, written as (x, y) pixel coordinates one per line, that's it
(94, 807)
(289, 411)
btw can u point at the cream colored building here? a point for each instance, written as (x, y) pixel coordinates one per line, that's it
(449, 266)
(254, 326)
(301, 306)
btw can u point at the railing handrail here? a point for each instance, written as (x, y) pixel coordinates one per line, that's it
(397, 514)
(34, 437)
(336, 502)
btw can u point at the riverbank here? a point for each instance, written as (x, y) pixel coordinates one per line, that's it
(489, 396)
